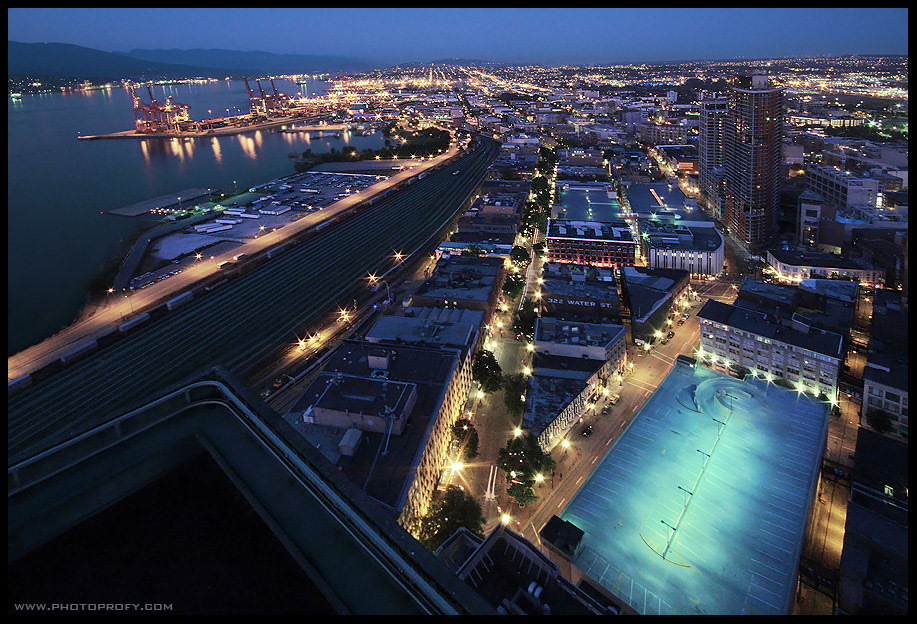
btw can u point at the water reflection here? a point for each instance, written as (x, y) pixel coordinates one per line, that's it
(248, 146)
(215, 143)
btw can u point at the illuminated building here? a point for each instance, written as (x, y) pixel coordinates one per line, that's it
(752, 159)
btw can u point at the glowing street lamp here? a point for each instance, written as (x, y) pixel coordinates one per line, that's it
(517, 432)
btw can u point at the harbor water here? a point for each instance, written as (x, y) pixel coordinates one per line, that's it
(59, 187)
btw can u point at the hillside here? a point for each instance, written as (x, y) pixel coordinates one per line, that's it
(64, 60)
(252, 61)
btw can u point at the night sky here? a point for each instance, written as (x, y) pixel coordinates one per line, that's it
(538, 36)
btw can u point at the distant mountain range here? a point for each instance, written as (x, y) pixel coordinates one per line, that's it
(65, 60)
(252, 62)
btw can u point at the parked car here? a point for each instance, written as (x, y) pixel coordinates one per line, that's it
(587, 431)
(614, 399)
(671, 335)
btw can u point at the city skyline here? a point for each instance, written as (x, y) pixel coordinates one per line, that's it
(458, 311)
(536, 36)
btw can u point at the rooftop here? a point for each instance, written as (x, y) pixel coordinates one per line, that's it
(700, 506)
(816, 259)
(548, 396)
(386, 477)
(760, 324)
(414, 330)
(617, 231)
(562, 331)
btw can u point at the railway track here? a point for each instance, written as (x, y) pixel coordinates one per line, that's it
(249, 317)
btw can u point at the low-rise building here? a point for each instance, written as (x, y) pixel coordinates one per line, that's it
(740, 340)
(885, 376)
(698, 250)
(462, 282)
(590, 242)
(650, 296)
(573, 365)
(799, 265)
(516, 578)
(399, 464)
(873, 574)
(579, 291)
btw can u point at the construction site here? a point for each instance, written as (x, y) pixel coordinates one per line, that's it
(266, 109)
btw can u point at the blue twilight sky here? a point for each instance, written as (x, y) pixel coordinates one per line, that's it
(543, 36)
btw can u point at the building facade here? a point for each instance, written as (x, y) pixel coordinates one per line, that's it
(732, 338)
(592, 243)
(710, 148)
(753, 154)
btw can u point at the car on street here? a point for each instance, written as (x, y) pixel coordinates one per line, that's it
(614, 399)
(587, 431)
(670, 335)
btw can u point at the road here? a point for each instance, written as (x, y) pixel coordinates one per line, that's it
(575, 463)
(122, 306)
(250, 318)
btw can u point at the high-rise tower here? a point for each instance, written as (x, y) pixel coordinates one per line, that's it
(752, 157)
(711, 150)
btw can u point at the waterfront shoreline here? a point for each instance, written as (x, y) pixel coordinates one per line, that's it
(217, 132)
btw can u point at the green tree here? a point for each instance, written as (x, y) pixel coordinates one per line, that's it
(519, 256)
(539, 249)
(513, 285)
(465, 439)
(539, 183)
(456, 508)
(486, 371)
(524, 318)
(514, 387)
(522, 459)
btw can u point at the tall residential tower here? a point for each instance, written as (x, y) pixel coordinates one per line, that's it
(752, 157)
(711, 153)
